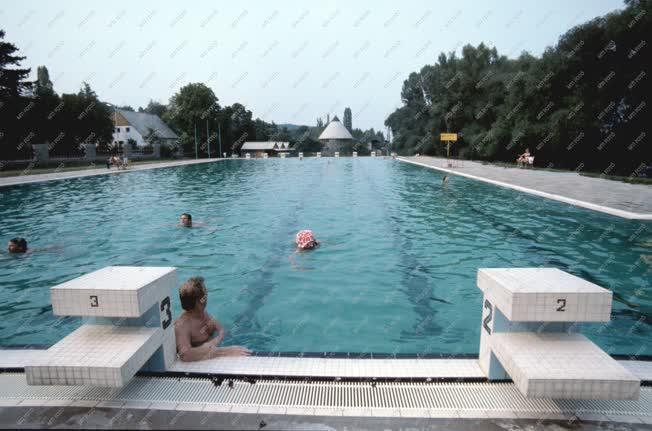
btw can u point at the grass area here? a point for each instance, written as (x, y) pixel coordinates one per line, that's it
(78, 167)
(630, 180)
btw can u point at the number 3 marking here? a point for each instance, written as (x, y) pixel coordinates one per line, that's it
(165, 306)
(487, 320)
(563, 304)
(94, 301)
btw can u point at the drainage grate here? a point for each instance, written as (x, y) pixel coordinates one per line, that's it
(288, 393)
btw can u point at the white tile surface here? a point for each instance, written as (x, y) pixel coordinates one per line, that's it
(562, 366)
(114, 291)
(99, 355)
(544, 295)
(335, 367)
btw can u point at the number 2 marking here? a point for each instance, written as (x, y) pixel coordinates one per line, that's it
(487, 320)
(563, 304)
(165, 306)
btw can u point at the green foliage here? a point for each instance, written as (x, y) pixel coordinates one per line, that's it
(33, 113)
(580, 106)
(348, 119)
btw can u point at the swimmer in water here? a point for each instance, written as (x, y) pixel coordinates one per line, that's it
(198, 334)
(186, 220)
(17, 245)
(305, 240)
(444, 181)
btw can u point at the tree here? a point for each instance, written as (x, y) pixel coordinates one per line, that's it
(83, 119)
(581, 105)
(16, 136)
(189, 109)
(43, 82)
(12, 80)
(155, 108)
(348, 120)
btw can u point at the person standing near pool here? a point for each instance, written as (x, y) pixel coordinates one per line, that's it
(197, 333)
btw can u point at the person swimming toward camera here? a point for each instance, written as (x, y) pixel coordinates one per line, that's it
(17, 245)
(305, 240)
(186, 220)
(197, 333)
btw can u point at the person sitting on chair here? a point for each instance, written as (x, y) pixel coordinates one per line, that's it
(197, 333)
(523, 158)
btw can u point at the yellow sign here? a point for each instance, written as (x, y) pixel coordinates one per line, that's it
(448, 137)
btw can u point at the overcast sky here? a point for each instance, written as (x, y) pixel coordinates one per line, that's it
(287, 61)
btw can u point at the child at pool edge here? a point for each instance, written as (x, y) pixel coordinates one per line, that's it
(195, 328)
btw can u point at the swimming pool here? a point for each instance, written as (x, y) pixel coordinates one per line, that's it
(396, 272)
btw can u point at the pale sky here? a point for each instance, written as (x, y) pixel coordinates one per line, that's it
(287, 61)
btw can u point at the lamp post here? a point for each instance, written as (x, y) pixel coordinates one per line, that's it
(208, 140)
(196, 154)
(219, 137)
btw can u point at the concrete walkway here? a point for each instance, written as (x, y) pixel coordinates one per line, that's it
(37, 178)
(631, 201)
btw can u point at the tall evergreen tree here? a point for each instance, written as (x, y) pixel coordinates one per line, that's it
(348, 119)
(12, 78)
(43, 82)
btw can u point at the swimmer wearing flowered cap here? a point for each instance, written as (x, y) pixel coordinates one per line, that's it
(306, 240)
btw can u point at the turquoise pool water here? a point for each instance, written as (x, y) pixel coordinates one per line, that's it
(396, 272)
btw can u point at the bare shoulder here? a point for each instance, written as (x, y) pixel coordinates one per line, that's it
(182, 321)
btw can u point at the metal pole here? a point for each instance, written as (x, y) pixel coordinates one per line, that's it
(196, 155)
(219, 138)
(208, 140)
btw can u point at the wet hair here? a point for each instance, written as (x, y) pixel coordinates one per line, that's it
(187, 215)
(191, 291)
(20, 242)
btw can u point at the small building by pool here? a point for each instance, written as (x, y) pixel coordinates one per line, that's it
(271, 148)
(334, 137)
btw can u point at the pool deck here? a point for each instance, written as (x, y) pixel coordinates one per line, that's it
(298, 367)
(630, 201)
(53, 176)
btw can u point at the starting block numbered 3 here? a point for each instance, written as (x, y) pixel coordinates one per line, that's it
(127, 327)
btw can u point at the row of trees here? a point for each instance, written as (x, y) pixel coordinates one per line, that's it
(32, 112)
(581, 105)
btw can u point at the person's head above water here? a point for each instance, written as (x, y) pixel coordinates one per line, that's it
(186, 220)
(306, 240)
(17, 245)
(193, 294)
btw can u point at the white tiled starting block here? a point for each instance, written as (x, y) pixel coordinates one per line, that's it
(529, 333)
(127, 327)
(265, 156)
(300, 156)
(337, 153)
(373, 154)
(247, 156)
(355, 154)
(283, 155)
(318, 154)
